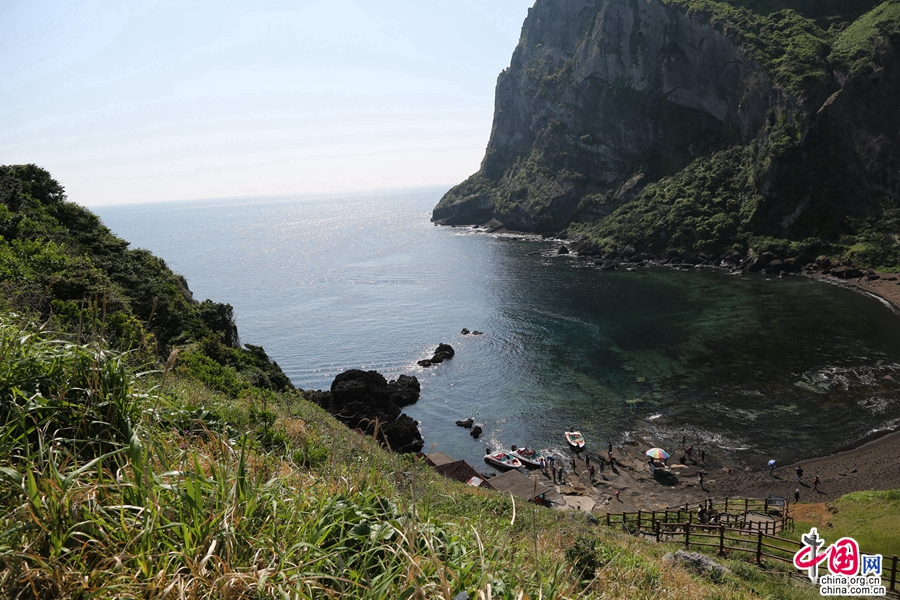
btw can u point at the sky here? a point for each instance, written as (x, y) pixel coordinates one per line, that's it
(161, 100)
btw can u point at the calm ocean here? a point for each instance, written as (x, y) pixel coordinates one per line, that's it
(749, 367)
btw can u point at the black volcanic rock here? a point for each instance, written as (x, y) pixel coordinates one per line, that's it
(405, 390)
(365, 399)
(403, 435)
(442, 353)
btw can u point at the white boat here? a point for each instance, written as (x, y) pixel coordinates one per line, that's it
(528, 456)
(575, 439)
(502, 459)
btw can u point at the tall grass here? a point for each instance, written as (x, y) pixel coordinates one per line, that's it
(78, 396)
(91, 505)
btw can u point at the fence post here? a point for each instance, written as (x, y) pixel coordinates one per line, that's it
(759, 546)
(766, 505)
(639, 519)
(721, 540)
(687, 536)
(726, 504)
(746, 504)
(607, 520)
(667, 515)
(894, 572)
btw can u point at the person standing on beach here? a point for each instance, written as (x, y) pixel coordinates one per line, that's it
(689, 452)
(771, 467)
(797, 495)
(703, 456)
(573, 464)
(587, 459)
(799, 473)
(608, 447)
(816, 483)
(591, 471)
(700, 474)
(683, 440)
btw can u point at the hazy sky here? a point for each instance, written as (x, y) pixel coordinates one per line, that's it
(163, 100)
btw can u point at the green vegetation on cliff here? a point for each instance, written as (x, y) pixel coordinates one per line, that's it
(799, 154)
(60, 266)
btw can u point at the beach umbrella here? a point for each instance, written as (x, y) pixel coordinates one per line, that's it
(657, 453)
(772, 463)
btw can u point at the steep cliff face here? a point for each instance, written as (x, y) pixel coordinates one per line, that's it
(605, 97)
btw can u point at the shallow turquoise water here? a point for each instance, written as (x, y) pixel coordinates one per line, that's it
(747, 366)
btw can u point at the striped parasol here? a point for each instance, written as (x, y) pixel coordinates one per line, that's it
(657, 453)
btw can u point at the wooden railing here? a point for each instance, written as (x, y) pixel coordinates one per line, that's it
(734, 530)
(736, 512)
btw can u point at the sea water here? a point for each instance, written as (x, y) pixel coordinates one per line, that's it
(749, 367)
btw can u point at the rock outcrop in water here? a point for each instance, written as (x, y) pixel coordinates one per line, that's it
(693, 125)
(442, 353)
(365, 399)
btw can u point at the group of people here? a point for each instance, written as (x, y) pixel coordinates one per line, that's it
(557, 473)
(689, 451)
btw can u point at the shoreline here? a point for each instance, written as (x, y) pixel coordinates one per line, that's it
(881, 289)
(872, 466)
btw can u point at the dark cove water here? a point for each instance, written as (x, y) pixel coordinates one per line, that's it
(749, 367)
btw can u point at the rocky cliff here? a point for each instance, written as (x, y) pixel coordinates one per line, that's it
(782, 125)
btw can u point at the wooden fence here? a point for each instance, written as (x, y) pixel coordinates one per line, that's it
(740, 525)
(766, 515)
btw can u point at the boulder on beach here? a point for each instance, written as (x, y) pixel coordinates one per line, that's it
(846, 272)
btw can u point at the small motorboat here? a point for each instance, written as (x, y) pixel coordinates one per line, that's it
(502, 459)
(575, 439)
(528, 456)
